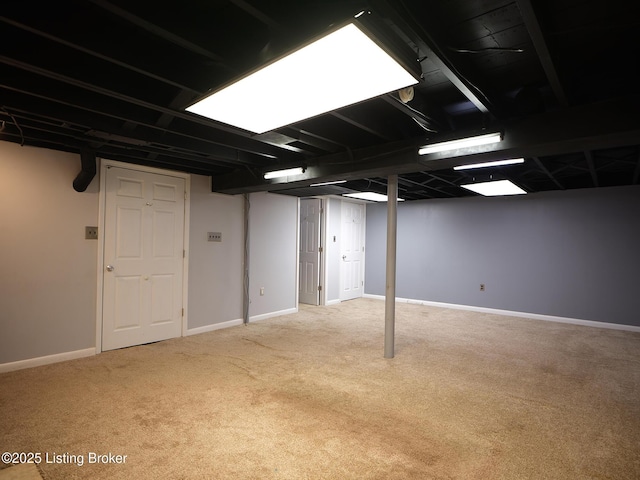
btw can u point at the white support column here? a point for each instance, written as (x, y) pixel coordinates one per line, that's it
(245, 276)
(390, 291)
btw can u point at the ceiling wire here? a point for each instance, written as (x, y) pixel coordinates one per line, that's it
(466, 80)
(15, 122)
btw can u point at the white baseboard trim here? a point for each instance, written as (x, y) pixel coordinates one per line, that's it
(264, 316)
(510, 313)
(46, 360)
(333, 302)
(214, 326)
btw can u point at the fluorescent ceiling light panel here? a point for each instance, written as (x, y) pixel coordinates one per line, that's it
(495, 188)
(335, 182)
(371, 196)
(461, 143)
(283, 173)
(497, 163)
(339, 69)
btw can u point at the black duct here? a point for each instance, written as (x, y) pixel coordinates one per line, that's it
(88, 170)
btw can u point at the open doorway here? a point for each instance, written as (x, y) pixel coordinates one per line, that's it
(331, 256)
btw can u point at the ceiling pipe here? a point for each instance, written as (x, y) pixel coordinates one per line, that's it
(87, 170)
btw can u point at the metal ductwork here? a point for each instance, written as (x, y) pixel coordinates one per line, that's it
(87, 171)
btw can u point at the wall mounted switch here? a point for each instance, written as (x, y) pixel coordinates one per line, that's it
(214, 236)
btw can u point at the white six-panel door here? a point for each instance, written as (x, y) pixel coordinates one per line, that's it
(143, 258)
(352, 251)
(309, 271)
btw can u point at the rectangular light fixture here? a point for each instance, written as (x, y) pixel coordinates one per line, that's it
(335, 182)
(341, 68)
(371, 196)
(497, 163)
(486, 139)
(495, 188)
(284, 173)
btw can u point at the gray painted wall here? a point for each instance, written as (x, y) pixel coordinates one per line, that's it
(47, 268)
(273, 260)
(215, 268)
(572, 254)
(48, 271)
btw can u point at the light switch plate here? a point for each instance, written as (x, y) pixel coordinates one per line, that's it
(214, 236)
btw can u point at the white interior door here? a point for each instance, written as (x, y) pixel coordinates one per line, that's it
(352, 251)
(309, 272)
(143, 258)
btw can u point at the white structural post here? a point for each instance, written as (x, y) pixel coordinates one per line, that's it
(390, 291)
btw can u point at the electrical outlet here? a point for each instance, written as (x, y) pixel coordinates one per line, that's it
(262, 291)
(91, 233)
(214, 236)
(482, 287)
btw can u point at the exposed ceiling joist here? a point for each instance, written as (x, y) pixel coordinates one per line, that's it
(636, 173)
(149, 133)
(117, 75)
(419, 117)
(535, 32)
(156, 30)
(428, 47)
(313, 139)
(362, 163)
(592, 168)
(608, 123)
(217, 133)
(257, 14)
(590, 127)
(440, 179)
(547, 172)
(99, 55)
(424, 186)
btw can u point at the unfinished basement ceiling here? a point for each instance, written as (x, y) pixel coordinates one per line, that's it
(114, 77)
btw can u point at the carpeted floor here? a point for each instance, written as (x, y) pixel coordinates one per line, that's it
(310, 396)
(21, 471)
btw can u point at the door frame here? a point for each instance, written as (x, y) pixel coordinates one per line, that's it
(102, 203)
(322, 264)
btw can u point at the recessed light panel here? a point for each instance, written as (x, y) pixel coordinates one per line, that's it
(495, 188)
(340, 69)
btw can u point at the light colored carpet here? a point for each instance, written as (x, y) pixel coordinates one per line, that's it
(20, 472)
(310, 396)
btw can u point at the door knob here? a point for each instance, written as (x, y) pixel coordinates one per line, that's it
(109, 268)
(344, 257)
